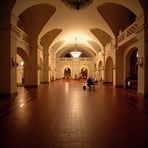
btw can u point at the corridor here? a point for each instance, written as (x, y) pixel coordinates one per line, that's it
(63, 115)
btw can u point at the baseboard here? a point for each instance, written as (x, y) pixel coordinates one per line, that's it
(145, 95)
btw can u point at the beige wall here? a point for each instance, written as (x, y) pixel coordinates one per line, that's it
(75, 65)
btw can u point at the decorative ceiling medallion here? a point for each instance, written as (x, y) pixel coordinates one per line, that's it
(77, 4)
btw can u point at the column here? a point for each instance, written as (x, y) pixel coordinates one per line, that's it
(32, 71)
(142, 54)
(46, 65)
(119, 82)
(8, 87)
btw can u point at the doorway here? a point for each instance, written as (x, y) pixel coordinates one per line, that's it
(84, 73)
(67, 73)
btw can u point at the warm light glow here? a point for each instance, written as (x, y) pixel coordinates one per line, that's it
(75, 54)
(81, 36)
(22, 63)
(21, 105)
(66, 86)
(137, 54)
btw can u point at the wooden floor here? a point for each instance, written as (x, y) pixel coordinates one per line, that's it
(63, 115)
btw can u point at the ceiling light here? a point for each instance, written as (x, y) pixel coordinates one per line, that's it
(75, 53)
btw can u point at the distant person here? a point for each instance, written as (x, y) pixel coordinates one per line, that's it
(89, 82)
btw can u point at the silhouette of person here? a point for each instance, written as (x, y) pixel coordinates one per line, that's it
(89, 82)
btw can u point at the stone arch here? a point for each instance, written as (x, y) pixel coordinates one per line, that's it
(22, 63)
(67, 72)
(131, 67)
(84, 73)
(109, 70)
(119, 13)
(20, 7)
(89, 69)
(32, 23)
(22, 53)
(127, 60)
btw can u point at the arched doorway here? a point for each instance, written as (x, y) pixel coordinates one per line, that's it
(109, 70)
(20, 71)
(84, 73)
(100, 74)
(67, 73)
(22, 63)
(132, 69)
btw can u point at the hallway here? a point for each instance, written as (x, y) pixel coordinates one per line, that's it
(63, 115)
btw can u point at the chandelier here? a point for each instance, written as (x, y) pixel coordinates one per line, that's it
(75, 53)
(77, 4)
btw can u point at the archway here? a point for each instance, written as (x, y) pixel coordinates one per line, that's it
(20, 71)
(100, 73)
(67, 73)
(132, 69)
(109, 70)
(22, 64)
(84, 73)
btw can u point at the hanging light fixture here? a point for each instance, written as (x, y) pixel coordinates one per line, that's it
(77, 4)
(75, 53)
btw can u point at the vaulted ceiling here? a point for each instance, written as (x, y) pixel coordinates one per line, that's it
(55, 26)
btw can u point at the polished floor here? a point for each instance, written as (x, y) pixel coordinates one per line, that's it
(63, 115)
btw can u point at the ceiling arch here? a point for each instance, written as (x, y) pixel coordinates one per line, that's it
(21, 5)
(48, 38)
(33, 19)
(102, 36)
(21, 52)
(87, 51)
(117, 16)
(56, 46)
(85, 25)
(95, 46)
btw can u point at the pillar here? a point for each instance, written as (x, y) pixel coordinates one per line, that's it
(46, 66)
(32, 70)
(119, 82)
(8, 86)
(142, 51)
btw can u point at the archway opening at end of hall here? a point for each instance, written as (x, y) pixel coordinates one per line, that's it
(67, 73)
(84, 73)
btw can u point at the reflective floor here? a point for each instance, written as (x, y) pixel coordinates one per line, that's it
(63, 115)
